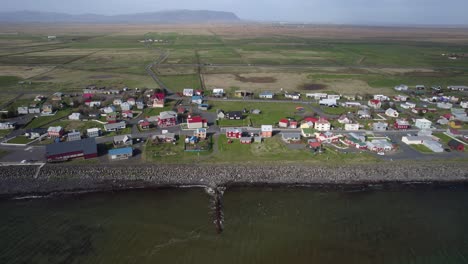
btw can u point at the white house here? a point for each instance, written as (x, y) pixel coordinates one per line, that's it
(375, 104)
(23, 110)
(93, 132)
(351, 104)
(427, 141)
(423, 123)
(187, 92)
(400, 98)
(351, 127)
(74, 116)
(322, 125)
(408, 105)
(115, 126)
(316, 96)
(266, 95)
(401, 87)
(364, 114)
(380, 126)
(334, 96)
(294, 95)
(381, 97)
(464, 105)
(328, 102)
(126, 106)
(95, 104)
(34, 110)
(392, 112)
(443, 105)
(109, 109)
(117, 101)
(6, 126)
(218, 92)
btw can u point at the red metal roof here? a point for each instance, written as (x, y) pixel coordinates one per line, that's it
(196, 119)
(311, 119)
(284, 120)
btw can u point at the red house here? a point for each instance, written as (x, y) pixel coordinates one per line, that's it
(87, 95)
(293, 124)
(283, 123)
(196, 122)
(310, 119)
(233, 133)
(145, 125)
(157, 100)
(401, 124)
(111, 118)
(167, 119)
(55, 131)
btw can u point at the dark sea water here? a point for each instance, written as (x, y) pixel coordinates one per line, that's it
(262, 225)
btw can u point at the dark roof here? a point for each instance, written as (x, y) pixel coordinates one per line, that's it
(87, 146)
(454, 143)
(234, 113)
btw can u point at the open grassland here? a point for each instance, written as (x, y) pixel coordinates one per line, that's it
(342, 59)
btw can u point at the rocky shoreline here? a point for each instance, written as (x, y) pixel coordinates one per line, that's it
(16, 180)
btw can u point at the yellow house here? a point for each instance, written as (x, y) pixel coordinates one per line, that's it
(455, 124)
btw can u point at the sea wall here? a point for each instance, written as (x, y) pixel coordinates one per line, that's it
(58, 178)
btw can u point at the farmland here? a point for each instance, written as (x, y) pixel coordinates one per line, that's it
(342, 60)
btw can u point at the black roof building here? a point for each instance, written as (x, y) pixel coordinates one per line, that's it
(85, 148)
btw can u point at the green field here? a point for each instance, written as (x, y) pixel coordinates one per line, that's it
(422, 148)
(45, 121)
(20, 140)
(170, 153)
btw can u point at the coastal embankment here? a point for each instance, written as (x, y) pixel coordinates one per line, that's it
(16, 180)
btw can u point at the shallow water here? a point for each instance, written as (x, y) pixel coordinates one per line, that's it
(262, 225)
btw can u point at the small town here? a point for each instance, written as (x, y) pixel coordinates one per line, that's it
(153, 125)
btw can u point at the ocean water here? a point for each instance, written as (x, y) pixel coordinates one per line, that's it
(262, 225)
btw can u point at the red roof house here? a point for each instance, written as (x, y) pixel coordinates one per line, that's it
(157, 100)
(196, 122)
(283, 123)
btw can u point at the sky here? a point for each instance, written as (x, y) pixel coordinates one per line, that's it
(432, 12)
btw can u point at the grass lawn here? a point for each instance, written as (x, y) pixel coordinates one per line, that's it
(82, 126)
(422, 148)
(275, 150)
(43, 121)
(20, 140)
(170, 153)
(3, 133)
(335, 110)
(177, 83)
(444, 139)
(271, 112)
(127, 130)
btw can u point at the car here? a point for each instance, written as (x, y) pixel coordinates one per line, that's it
(381, 153)
(23, 161)
(448, 150)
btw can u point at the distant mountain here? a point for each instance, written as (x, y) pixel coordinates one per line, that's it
(173, 16)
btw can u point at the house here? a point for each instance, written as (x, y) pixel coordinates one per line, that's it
(457, 124)
(420, 87)
(442, 121)
(456, 145)
(233, 133)
(379, 145)
(125, 106)
(203, 107)
(85, 148)
(127, 114)
(256, 111)
(349, 97)
(401, 124)
(165, 138)
(351, 104)
(375, 104)
(197, 99)
(220, 114)
(334, 96)
(74, 116)
(429, 142)
(55, 131)
(167, 119)
(131, 101)
(314, 143)
(459, 114)
(381, 97)
(108, 110)
(401, 87)
(7, 125)
(316, 96)
(243, 93)
(117, 101)
(234, 115)
(74, 135)
(246, 140)
(356, 140)
(115, 126)
(390, 112)
(343, 119)
(327, 137)
(140, 104)
(380, 126)
(120, 153)
(196, 122)
(400, 98)
(322, 125)
(144, 125)
(34, 110)
(218, 92)
(328, 102)
(200, 133)
(283, 123)
(291, 137)
(293, 124)
(47, 109)
(267, 131)
(93, 132)
(123, 140)
(307, 129)
(408, 105)
(57, 96)
(351, 127)
(423, 124)
(187, 92)
(464, 104)
(23, 110)
(39, 98)
(443, 105)
(364, 114)
(293, 95)
(111, 118)
(199, 92)
(93, 103)
(35, 133)
(266, 95)
(157, 100)
(460, 88)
